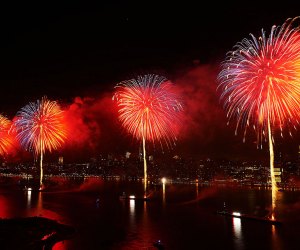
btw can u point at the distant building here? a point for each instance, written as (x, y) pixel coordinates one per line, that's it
(127, 155)
(141, 153)
(61, 160)
(278, 173)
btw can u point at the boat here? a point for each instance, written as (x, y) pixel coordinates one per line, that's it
(158, 244)
(133, 197)
(250, 217)
(33, 189)
(27, 189)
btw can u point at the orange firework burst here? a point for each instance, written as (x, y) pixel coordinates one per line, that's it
(260, 83)
(260, 80)
(149, 109)
(6, 140)
(39, 127)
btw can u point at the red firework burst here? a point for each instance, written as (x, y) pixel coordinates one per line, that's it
(6, 139)
(149, 108)
(260, 80)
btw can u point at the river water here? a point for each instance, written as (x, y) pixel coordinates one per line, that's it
(182, 216)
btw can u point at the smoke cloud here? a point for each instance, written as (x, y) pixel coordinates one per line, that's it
(91, 124)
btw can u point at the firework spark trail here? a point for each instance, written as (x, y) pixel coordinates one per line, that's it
(149, 109)
(6, 140)
(39, 127)
(260, 84)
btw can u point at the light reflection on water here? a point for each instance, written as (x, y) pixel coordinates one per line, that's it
(164, 193)
(132, 213)
(237, 232)
(35, 206)
(132, 207)
(28, 192)
(4, 207)
(131, 224)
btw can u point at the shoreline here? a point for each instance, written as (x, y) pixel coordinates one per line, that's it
(19, 181)
(34, 233)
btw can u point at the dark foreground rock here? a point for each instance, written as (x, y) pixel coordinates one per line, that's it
(34, 233)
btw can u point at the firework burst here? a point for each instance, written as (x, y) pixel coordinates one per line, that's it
(6, 140)
(260, 81)
(149, 109)
(39, 127)
(260, 84)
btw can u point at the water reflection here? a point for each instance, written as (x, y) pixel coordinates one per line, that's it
(276, 243)
(130, 224)
(139, 224)
(132, 213)
(131, 207)
(164, 193)
(276, 204)
(145, 220)
(4, 207)
(27, 204)
(40, 203)
(62, 245)
(164, 181)
(237, 232)
(237, 227)
(274, 200)
(28, 194)
(34, 203)
(39, 210)
(35, 206)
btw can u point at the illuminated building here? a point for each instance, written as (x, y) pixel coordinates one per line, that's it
(61, 160)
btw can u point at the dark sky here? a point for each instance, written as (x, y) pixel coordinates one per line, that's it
(64, 50)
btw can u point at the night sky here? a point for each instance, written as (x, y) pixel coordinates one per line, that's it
(82, 50)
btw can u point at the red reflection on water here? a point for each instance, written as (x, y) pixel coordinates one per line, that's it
(39, 210)
(62, 245)
(91, 184)
(4, 207)
(146, 231)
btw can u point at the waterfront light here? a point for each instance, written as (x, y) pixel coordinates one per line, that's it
(28, 197)
(163, 180)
